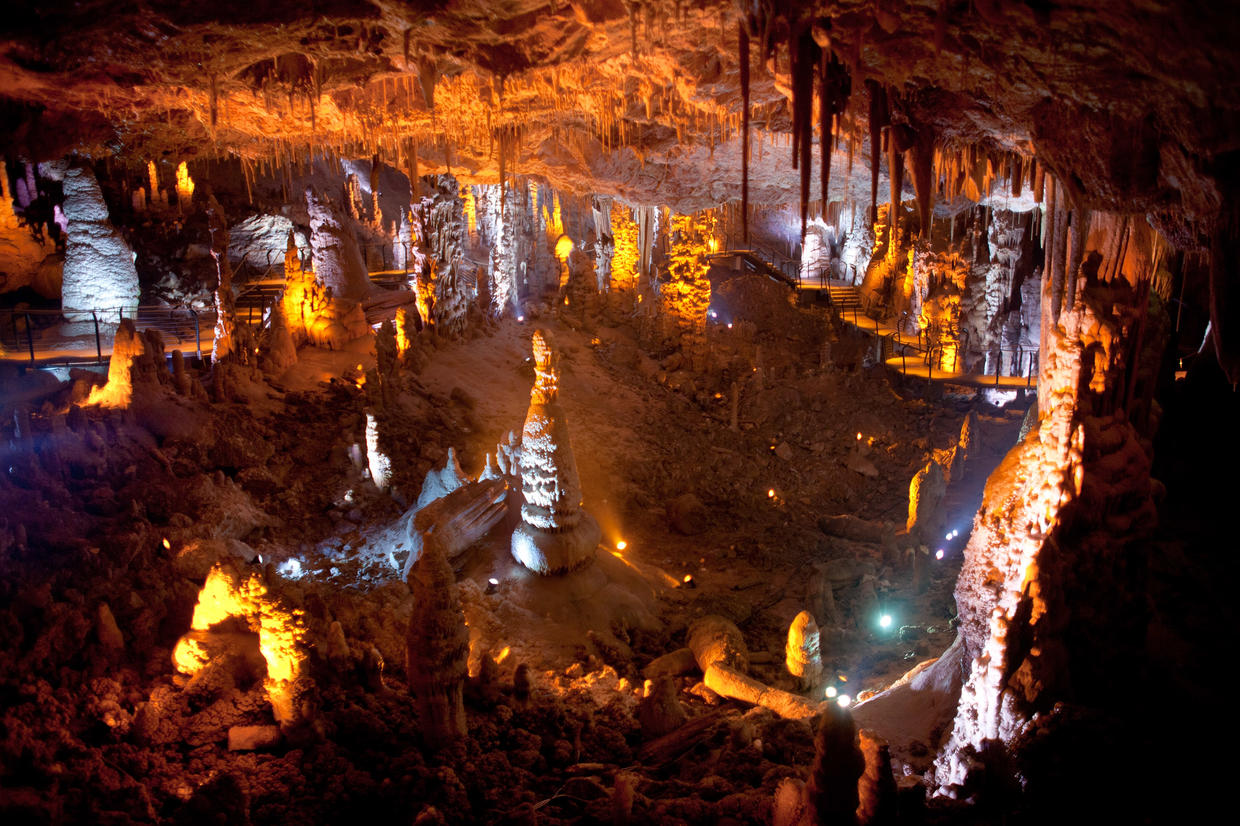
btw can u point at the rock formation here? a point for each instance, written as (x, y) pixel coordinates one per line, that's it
(1062, 523)
(127, 345)
(26, 258)
(802, 654)
(437, 647)
(556, 534)
(99, 272)
(338, 263)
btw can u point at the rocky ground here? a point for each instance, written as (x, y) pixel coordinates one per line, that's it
(114, 518)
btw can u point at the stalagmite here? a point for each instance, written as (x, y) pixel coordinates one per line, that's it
(99, 271)
(802, 655)
(437, 647)
(126, 346)
(556, 534)
(838, 766)
(380, 464)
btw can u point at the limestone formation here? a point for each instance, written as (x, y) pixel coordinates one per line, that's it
(659, 712)
(313, 312)
(338, 264)
(838, 766)
(379, 463)
(437, 647)
(27, 257)
(237, 615)
(720, 652)
(925, 493)
(556, 534)
(802, 654)
(99, 268)
(1063, 523)
(228, 339)
(127, 346)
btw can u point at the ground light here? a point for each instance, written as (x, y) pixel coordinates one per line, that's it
(621, 545)
(492, 585)
(885, 621)
(844, 701)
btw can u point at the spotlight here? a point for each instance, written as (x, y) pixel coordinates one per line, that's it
(729, 325)
(770, 494)
(621, 545)
(167, 544)
(689, 581)
(858, 437)
(844, 701)
(714, 314)
(947, 536)
(938, 554)
(884, 621)
(832, 691)
(520, 318)
(492, 585)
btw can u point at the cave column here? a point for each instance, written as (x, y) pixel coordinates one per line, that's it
(1049, 595)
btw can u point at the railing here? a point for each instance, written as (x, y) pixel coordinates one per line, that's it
(37, 335)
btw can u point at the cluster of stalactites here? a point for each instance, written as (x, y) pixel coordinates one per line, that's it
(813, 64)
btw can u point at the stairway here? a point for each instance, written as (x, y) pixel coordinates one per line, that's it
(845, 298)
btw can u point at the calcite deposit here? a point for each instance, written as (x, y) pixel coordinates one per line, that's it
(556, 533)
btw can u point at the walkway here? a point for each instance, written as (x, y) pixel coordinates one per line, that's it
(43, 338)
(910, 355)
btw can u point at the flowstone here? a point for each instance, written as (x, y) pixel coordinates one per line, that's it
(556, 534)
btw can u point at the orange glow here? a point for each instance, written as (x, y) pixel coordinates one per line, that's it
(563, 246)
(185, 187)
(229, 594)
(167, 544)
(621, 545)
(771, 493)
(503, 654)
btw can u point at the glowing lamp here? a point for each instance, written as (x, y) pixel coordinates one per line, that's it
(621, 545)
(492, 585)
(689, 581)
(831, 692)
(167, 544)
(563, 246)
(844, 701)
(938, 554)
(885, 621)
(770, 494)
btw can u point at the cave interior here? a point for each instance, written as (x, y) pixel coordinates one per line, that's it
(624, 411)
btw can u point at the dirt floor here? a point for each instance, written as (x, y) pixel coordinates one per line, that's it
(108, 503)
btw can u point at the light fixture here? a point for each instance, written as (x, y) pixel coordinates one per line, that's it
(689, 581)
(938, 554)
(844, 701)
(832, 691)
(492, 585)
(885, 621)
(621, 545)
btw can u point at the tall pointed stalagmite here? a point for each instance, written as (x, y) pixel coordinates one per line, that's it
(556, 534)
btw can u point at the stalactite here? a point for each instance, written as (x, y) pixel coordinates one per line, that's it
(878, 119)
(899, 138)
(1079, 229)
(922, 153)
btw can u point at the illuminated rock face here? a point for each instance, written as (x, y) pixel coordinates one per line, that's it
(24, 260)
(556, 534)
(437, 647)
(1063, 523)
(233, 603)
(446, 283)
(99, 271)
(126, 346)
(338, 263)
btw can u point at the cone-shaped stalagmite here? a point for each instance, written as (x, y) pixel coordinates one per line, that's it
(556, 534)
(437, 647)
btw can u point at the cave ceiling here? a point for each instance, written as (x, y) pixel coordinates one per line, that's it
(1133, 104)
